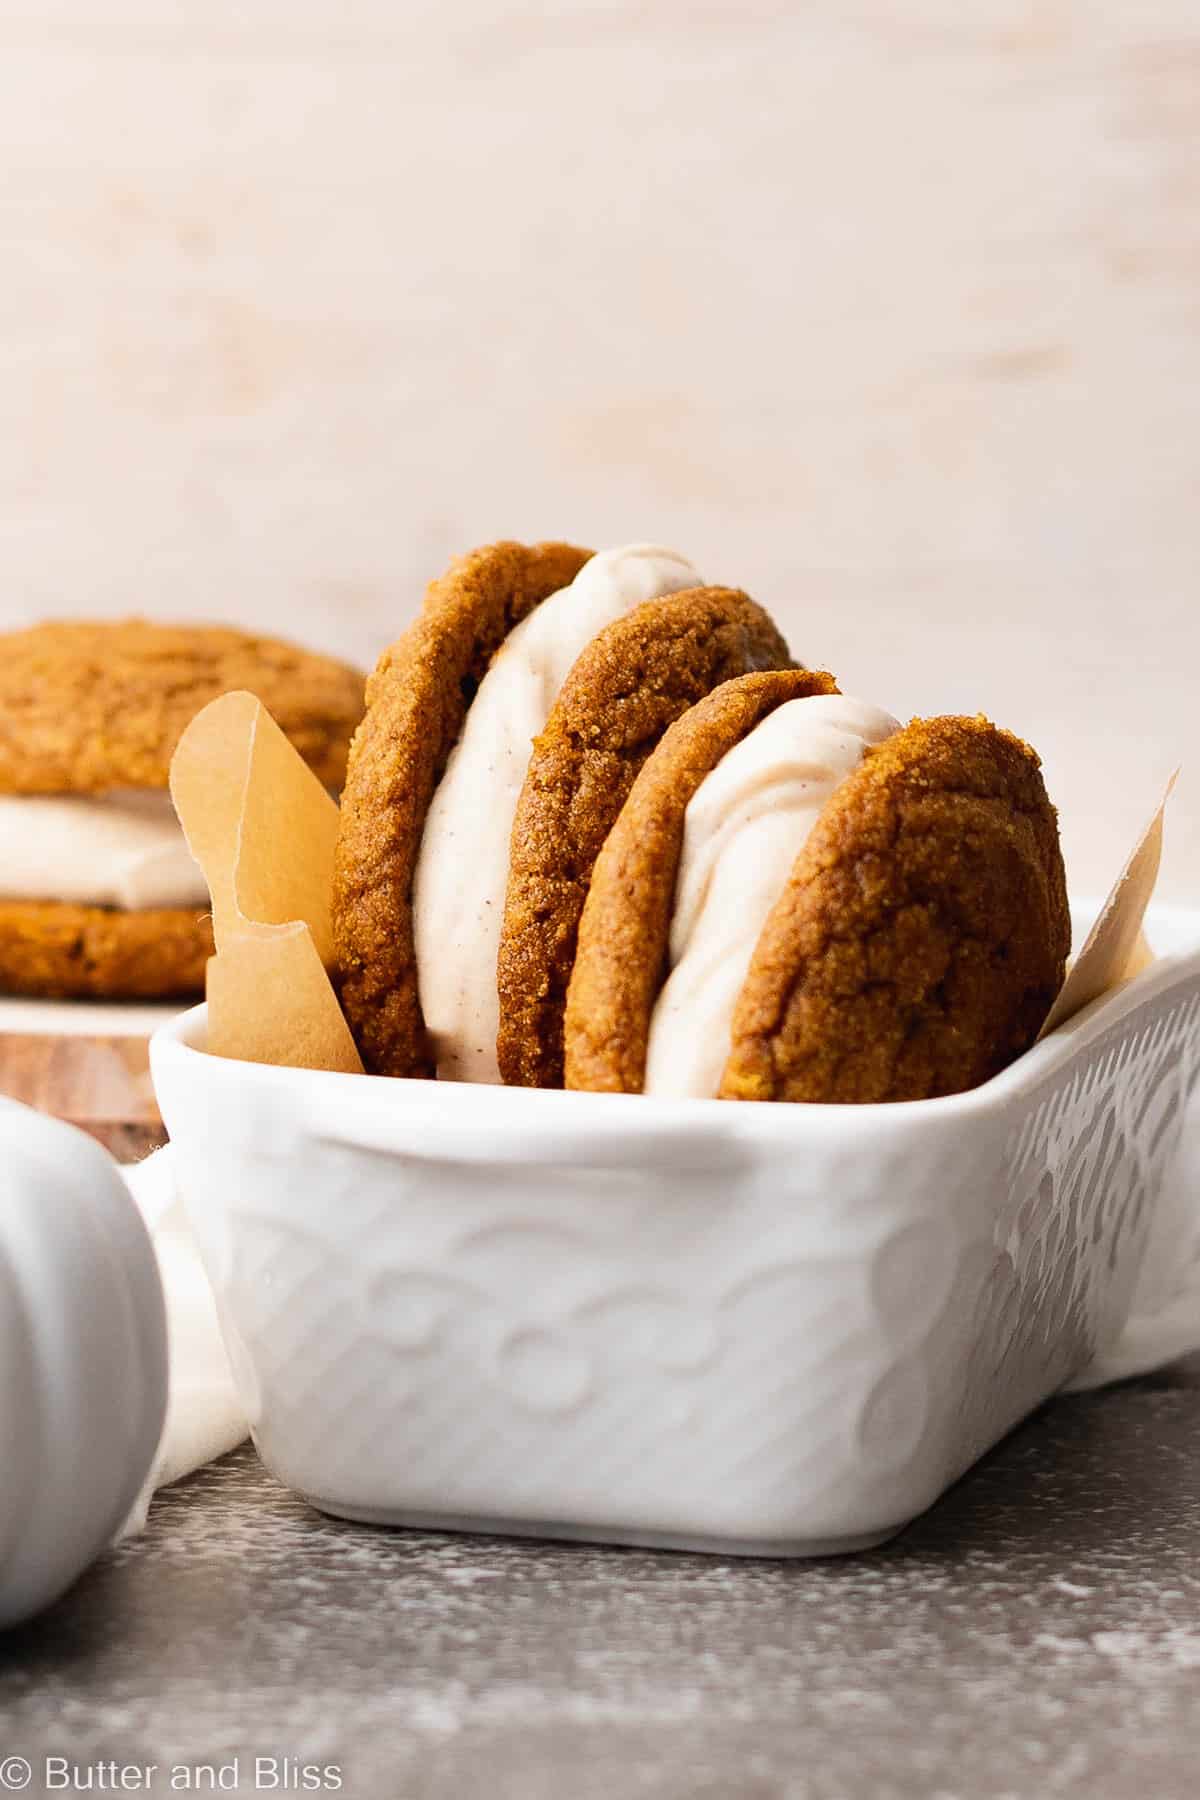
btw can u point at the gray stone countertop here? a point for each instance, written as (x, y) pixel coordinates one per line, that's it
(1036, 1634)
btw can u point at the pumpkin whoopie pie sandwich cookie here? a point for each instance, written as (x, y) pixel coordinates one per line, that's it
(802, 900)
(98, 895)
(503, 732)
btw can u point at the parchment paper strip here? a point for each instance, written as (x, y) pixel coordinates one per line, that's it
(1116, 947)
(263, 828)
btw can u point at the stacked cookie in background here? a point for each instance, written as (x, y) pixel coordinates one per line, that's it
(99, 899)
(98, 895)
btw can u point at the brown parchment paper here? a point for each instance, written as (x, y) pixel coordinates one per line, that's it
(1116, 949)
(262, 828)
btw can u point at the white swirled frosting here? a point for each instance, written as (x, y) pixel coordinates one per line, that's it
(123, 849)
(744, 827)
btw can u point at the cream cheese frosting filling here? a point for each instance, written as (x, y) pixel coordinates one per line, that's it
(743, 829)
(122, 849)
(462, 866)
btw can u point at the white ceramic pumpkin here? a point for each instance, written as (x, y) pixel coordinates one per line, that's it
(83, 1356)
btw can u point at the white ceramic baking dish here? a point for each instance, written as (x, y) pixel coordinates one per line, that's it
(765, 1329)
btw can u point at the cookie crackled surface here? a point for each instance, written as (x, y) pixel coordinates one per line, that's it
(923, 932)
(89, 706)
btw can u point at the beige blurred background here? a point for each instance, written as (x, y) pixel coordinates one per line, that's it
(889, 312)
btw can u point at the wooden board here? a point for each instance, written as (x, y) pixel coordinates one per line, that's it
(102, 1084)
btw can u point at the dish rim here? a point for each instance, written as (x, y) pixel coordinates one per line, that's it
(177, 1041)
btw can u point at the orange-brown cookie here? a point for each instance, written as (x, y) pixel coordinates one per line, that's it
(621, 959)
(87, 706)
(53, 949)
(631, 682)
(922, 934)
(417, 700)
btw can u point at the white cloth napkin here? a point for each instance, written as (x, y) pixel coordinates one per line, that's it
(204, 1418)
